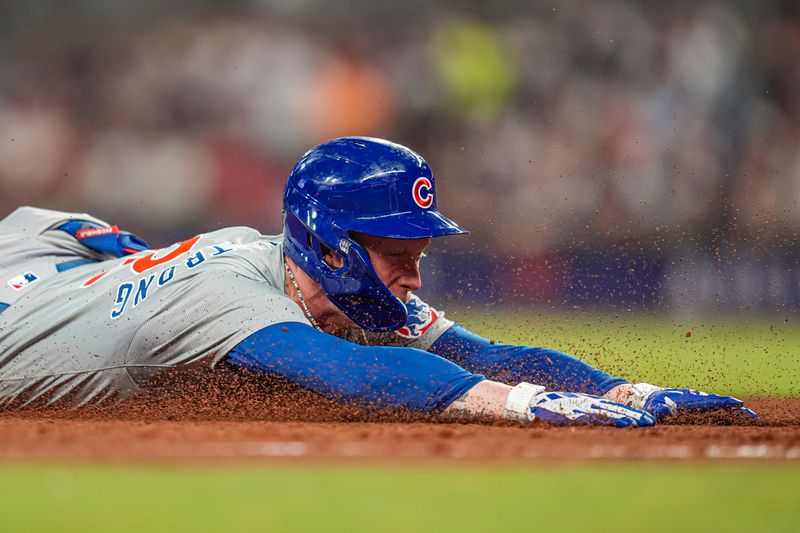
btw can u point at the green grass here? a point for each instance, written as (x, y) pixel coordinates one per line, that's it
(739, 357)
(626, 497)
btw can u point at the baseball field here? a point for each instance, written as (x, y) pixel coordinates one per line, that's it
(259, 466)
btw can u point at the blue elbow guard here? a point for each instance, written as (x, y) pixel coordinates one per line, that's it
(377, 375)
(104, 239)
(512, 364)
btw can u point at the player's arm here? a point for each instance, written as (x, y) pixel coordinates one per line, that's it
(429, 329)
(374, 375)
(401, 377)
(511, 364)
(560, 371)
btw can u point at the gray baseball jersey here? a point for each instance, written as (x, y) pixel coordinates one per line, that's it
(98, 332)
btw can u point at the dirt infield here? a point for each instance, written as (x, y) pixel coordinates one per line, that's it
(243, 420)
(214, 440)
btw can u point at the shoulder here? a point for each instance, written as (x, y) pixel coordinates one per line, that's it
(243, 239)
(239, 234)
(37, 220)
(246, 251)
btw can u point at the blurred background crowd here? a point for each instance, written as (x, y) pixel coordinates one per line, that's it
(625, 153)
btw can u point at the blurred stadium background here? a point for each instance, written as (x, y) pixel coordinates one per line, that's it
(634, 154)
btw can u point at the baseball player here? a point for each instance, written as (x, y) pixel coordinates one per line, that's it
(89, 314)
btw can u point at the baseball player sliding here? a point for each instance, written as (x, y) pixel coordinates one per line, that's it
(89, 314)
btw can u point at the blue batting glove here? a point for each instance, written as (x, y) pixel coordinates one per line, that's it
(532, 402)
(661, 402)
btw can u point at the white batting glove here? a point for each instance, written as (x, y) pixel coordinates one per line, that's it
(530, 402)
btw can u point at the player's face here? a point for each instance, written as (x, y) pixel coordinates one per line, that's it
(396, 261)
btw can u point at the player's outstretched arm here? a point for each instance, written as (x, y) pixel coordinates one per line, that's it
(413, 379)
(372, 375)
(527, 402)
(513, 364)
(559, 371)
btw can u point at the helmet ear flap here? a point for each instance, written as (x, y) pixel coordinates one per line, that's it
(308, 250)
(354, 287)
(364, 297)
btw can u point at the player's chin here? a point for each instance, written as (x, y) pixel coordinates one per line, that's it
(404, 296)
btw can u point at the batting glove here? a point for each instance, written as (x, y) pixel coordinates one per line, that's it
(661, 402)
(531, 402)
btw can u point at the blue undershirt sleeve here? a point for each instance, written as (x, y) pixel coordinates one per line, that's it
(511, 364)
(380, 376)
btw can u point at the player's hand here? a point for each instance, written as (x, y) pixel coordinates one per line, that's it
(570, 408)
(661, 402)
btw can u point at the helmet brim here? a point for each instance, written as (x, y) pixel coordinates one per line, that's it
(408, 225)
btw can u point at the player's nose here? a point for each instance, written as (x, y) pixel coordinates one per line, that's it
(410, 279)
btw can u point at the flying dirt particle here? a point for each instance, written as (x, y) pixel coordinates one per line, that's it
(688, 334)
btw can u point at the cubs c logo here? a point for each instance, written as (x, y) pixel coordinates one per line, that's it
(423, 192)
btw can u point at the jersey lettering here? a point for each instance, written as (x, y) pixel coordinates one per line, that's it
(219, 250)
(166, 276)
(148, 261)
(123, 293)
(141, 292)
(195, 260)
(144, 286)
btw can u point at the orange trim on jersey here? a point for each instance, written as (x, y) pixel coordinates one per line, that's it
(141, 264)
(147, 262)
(98, 277)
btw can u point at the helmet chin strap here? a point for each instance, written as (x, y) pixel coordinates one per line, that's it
(300, 296)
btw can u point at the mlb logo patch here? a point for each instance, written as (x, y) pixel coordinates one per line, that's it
(23, 280)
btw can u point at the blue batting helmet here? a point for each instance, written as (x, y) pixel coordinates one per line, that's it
(364, 185)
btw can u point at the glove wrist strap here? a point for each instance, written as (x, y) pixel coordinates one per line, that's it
(518, 402)
(640, 393)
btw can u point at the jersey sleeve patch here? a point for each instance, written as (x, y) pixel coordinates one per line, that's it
(421, 317)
